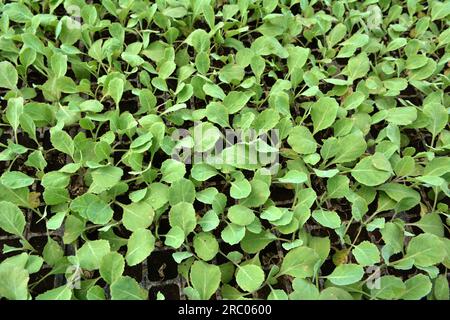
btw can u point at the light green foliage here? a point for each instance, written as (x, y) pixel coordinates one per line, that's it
(256, 149)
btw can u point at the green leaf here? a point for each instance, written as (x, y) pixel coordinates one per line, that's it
(74, 227)
(266, 45)
(416, 61)
(393, 235)
(259, 194)
(112, 267)
(12, 219)
(357, 67)
(336, 34)
(182, 215)
(166, 69)
(61, 293)
(205, 245)
(15, 179)
(417, 287)
(405, 166)
(437, 167)
(182, 190)
(338, 187)
(294, 176)
(396, 44)
(202, 62)
(175, 12)
(277, 294)
(172, 170)
(240, 189)
(346, 274)
(231, 73)
(431, 223)
(175, 237)
(366, 173)
(216, 112)
(273, 213)
(354, 100)
(137, 215)
(203, 171)
(58, 63)
(209, 221)
(235, 101)
(205, 278)
(91, 253)
(62, 141)
(205, 136)
(13, 112)
(91, 106)
(240, 215)
(115, 89)
(297, 58)
(13, 282)
(104, 178)
(126, 288)
(142, 143)
(326, 173)
(250, 277)
(402, 116)
(139, 247)
(36, 160)
(96, 293)
(441, 288)
(266, 120)
(233, 233)
(426, 250)
(52, 252)
(92, 207)
(299, 262)
(350, 147)
(214, 91)
(329, 219)
(334, 293)
(388, 288)
(303, 290)
(179, 256)
(302, 141)
(366, 253)
(438, 117)
(8, 75)
(255, 242)
(323, 113)
(439, 10)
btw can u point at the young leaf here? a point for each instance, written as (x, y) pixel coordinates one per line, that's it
(250, 277)
(137, 215)
(182, 215)
(323, 113)
(205, 246)
(205, 278)
(112, 267)
(91, 253)
(126, 288)
(139, 247)
(329, 219)
(12, 219)
(299, 262)
(346, 274)
(8, 75)
(240, 215)
(63, 292)
(366, 254)
(15, 180)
